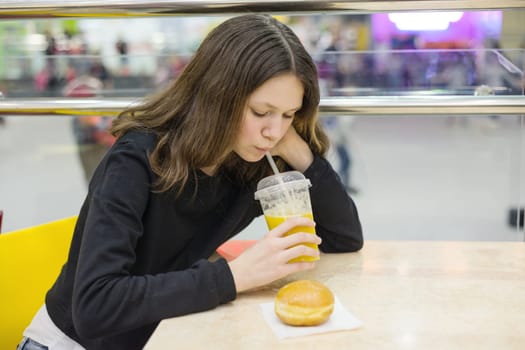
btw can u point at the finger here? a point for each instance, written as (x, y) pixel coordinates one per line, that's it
(297, 267)
(289, 224)
(299, 250)
(298, 238)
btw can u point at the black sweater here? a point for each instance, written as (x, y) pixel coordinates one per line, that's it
(139, 256)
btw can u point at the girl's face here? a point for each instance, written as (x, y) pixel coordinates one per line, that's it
(268, 115)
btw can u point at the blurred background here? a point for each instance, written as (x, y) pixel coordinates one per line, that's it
(425, 177)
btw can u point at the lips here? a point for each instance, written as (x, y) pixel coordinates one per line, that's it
(264, 149)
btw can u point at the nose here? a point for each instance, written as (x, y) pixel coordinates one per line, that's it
(273, 128)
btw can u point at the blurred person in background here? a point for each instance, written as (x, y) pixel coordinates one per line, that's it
(98, 70)
(335, 68)
(338, 129)
(48, 80)
(122, 49)
(91, 132)
(170, 67)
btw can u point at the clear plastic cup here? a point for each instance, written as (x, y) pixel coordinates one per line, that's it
(283, 196)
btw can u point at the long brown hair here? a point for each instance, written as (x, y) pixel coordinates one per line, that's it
(198, 116)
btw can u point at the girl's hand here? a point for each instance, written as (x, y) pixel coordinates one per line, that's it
(294, 150)
(267, 260)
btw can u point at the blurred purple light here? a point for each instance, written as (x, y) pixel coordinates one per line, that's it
(423, 21)
(472, 27)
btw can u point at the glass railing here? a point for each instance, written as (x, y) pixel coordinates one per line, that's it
(35, 76)
(422, 72)
(352, 73)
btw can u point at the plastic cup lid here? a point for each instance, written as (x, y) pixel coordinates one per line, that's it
(274, 182)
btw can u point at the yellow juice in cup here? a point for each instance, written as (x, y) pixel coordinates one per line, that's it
(274, 221)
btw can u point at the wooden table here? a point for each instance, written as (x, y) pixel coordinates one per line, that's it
(409, 295)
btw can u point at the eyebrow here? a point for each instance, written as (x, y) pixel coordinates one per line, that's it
(269, 105)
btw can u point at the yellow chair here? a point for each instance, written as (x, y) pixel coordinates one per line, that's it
(30, 261)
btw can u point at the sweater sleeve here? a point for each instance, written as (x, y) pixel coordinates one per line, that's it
(107, 297)
(335, 214)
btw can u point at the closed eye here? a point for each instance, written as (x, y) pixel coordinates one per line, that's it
(259, 114)
(264, 114)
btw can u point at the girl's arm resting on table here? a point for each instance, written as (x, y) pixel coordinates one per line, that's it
(336, 223)
(335, 214)
(334, 211)
(107, 297)
(114, 304)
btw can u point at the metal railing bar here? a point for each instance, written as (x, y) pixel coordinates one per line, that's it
(369, 105)
(15, 9)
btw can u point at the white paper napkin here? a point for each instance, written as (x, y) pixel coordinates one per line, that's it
(340, 319)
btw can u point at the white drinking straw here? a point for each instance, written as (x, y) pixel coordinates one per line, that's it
(279, 179)
(272, 163)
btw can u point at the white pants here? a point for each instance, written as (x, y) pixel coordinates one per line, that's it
(44, 331)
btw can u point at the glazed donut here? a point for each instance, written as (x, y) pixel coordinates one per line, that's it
(304, 303)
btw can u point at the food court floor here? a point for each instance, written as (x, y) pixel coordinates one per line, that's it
(424, 178)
